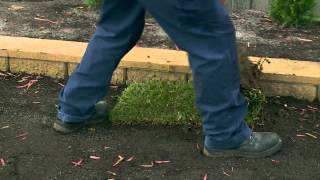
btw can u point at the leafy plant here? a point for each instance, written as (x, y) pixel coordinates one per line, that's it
(170, 103)
(256, 100)
(92, 3)
(292, 12)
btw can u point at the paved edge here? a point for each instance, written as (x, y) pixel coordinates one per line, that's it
(58, 59)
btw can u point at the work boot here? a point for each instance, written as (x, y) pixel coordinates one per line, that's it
(100, 115)
(260, 144)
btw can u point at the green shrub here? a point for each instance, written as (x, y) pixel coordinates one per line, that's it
(256, 100)
(292, 12)
(92, 3)
(169, 103)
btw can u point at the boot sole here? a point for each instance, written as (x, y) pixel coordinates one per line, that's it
(62, 129)
(234, 153)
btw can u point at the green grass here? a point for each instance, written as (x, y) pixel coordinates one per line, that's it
(293, 12)
(317, 20)
(92, 3)
(157, 102)
(169, 103)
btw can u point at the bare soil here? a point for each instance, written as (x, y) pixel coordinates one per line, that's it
(32, 150)
(70, 20)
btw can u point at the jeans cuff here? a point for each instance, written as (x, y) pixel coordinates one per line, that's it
(66, 118)
(234, 142)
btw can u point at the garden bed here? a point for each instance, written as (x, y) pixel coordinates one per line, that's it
(70, 20)
(32, 150)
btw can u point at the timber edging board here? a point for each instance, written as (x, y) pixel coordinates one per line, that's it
(58, 59)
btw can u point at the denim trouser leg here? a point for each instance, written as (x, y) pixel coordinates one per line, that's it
(119, 28)
(203, 29)
(200, 27)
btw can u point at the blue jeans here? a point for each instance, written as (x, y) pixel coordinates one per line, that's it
(200, 27)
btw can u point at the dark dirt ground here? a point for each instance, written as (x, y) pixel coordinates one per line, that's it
(32, 150)
(71, 21)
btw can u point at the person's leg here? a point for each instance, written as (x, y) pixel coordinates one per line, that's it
(204, 29)
(120, 26)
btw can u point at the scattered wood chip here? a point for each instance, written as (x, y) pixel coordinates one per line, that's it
(301, 135)
(260, 124)
(235, 16)
(149, 24)
(311, 135)
(302, 111)
(1, 74)
(275, 161)
(15, 8)
(118, 161)
(25, 78)
(304, 40)
(267, 19)
(198, 146)
(77, 163)
(95, 157)
(293, 108)
(153, 163)
(205, 176)
(23, 138)
(310, 107)
(22, 135)
(28, 85)
(303, 119)
(112, 173)
(130, 159)
(4, 127)
(114, 87)
(226, 173)
(22, 80)
(313, 109)
(162, 162)
(45, 20)
(36, 102)
(2, 162)
(62, 85)
(39, 16)
(147, 165)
